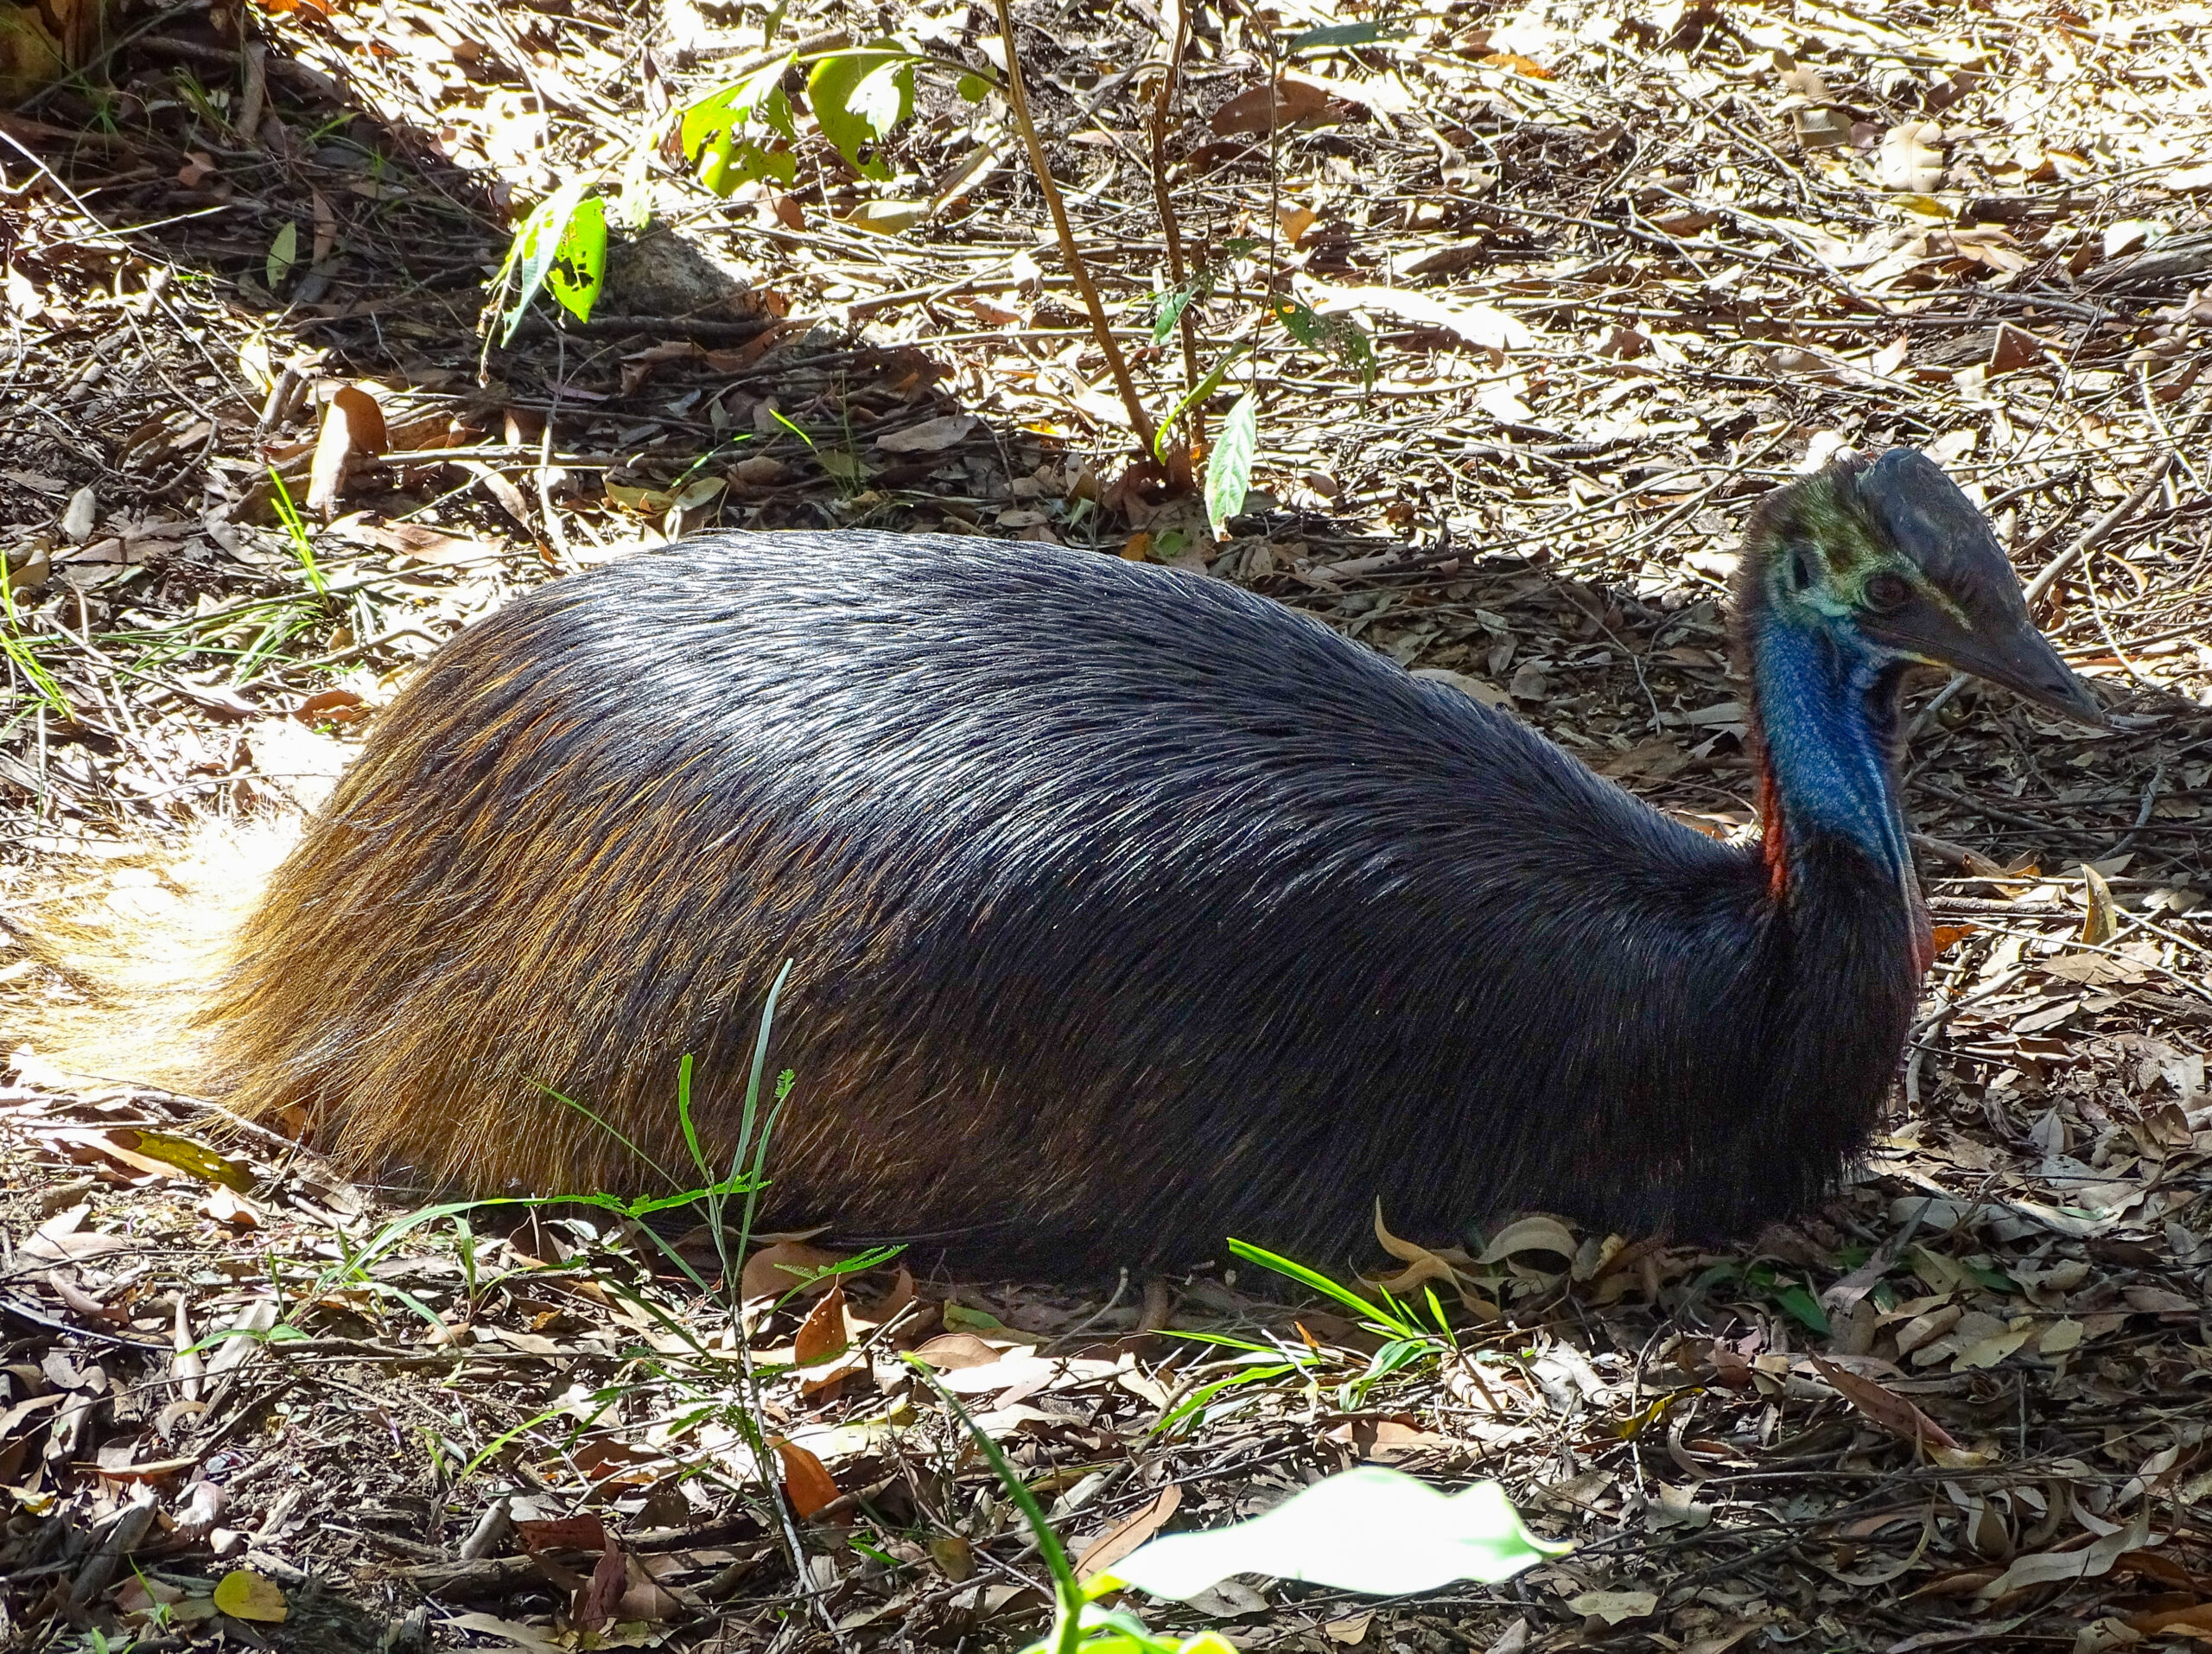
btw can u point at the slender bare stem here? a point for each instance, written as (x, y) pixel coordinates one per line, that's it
(1017, 96)
(1179, 44)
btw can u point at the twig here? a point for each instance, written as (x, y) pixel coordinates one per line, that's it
(2142, 814)
(1178, 43)
(2097, 531)
(1101, 327)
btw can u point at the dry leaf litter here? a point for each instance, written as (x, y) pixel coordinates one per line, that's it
(1621, 270)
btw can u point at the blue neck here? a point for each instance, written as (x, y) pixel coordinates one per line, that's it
(1829, 720)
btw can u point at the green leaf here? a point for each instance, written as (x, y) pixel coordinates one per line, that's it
(1989, 1274)
(1228, 467)
(1168, 309)
(1803, 1307)
(1342, 34)
(972, 88)
(1321, 1284)
(859, 98)
(1298, 320)
(721, 132)
(283, 253)
(539, 243)
(579, 264)
(1371, 1529)
(884, 96)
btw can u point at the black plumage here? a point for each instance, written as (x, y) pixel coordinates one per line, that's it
(1130, 910)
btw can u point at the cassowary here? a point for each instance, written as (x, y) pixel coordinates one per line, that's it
(1128, 910)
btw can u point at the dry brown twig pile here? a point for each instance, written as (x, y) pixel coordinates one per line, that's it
(1621, 271)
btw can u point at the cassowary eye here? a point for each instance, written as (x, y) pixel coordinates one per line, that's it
(1885, 592)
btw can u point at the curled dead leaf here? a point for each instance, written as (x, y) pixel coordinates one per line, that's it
(807, 1481)
(353, 427)
(1883, 1407)
(1132, 1530)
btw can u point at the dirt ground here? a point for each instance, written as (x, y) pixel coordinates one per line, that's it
(1617, 272)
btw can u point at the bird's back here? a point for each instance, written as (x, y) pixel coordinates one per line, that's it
(1129, 910)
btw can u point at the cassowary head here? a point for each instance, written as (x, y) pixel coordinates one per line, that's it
(1894, 565)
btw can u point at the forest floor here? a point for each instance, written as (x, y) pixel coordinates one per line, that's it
(1618, 272)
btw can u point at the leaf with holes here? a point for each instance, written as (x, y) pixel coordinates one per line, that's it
(537, 245)
(723, 133)
(860, 97)
(580, 262)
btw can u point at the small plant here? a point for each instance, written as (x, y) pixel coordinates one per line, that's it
(1373, 1531)
(1406, 1339)
(746, 130)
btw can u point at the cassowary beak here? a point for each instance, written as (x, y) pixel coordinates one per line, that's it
(1984, 627)
(2000, 646)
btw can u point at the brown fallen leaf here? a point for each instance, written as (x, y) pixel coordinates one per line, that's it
(596, 1602)
(950, 1352)
(585, 1532)
(1910, 159)
(414, 542)
(331, 706)
(353, 427)
(823, 1334)
(1883, 1407)
(930, 436)
(784, 1266)
(807, 1481)
(1291, 100)
(645, 1598)
(1132, 1530)
(504, 492)
(954, 1556)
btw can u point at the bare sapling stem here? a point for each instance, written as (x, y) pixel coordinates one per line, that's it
(1179, 44)
(1017, 96)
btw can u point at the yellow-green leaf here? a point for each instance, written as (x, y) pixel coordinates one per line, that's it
(192, 1158)
(244, 1594)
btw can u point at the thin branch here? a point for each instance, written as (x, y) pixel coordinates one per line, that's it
(1179, 44)
(1101, 327)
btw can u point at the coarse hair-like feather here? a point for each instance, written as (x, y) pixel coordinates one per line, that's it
(1130, 911)
(136, 941)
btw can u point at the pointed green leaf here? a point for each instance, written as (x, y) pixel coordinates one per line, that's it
(1371, 1529)
(283, 253)
(1343, 34)
(538, 243)
(1228, 467)
(1191, 397)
